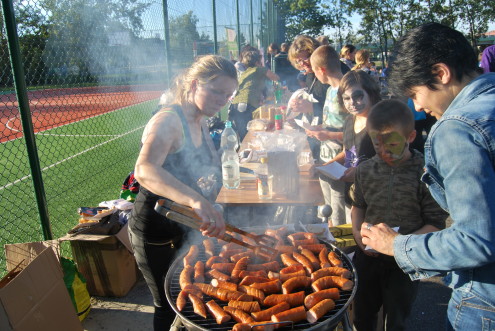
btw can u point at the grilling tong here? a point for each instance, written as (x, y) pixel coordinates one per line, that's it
(188, 217)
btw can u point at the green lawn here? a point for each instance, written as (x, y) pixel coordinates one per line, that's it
(82, 164)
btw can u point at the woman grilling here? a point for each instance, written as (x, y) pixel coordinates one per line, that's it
(178, 161)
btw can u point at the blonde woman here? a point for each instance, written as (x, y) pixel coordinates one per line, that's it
(362, 59)
(176, 154)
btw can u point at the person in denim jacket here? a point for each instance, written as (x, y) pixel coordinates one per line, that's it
(437, 68)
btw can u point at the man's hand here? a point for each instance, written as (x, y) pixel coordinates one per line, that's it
(380, 237)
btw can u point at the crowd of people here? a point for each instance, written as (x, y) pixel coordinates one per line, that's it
(396, 197)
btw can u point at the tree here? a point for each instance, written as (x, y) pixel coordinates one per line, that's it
(302, 17)
(474, 15)
(82, 34)
(183, 34)
(338, 13)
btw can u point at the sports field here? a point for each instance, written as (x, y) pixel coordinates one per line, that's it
(87, 144)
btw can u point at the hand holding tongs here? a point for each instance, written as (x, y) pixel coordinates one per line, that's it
(188, 217)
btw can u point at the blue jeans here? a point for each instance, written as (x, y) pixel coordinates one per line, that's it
(468, 312)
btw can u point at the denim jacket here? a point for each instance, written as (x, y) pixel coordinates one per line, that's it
(460, 173)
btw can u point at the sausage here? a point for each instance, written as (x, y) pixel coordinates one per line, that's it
(320, 309)
(191, 256)
(231, 247)
(273, 286)
(269, 266)
(214, 273)
(293, 283)
(198, 305)
(285, 277)
(215, 259)
(259, 273)
(185, 276)
(311, 257)
(227, 254)
(254, 326)
(335, 260)
(293, 299)
(223, 284)
(238, 256)
(223, 294)
(332, 271)
(285, 249)
(238, 315)
(191, 289)
(217, 312)
(266, 315)
(199, 272)
(291, 269)
(314, 298)
(247, 306)
(323, 256)
(295, 315)
(287, 260)
(332, 281)
(302, 235)
(224, 267)
(209, 246)
(298, 243)
(254, 292)
(248, 280)
(304, 261)
(181, 300)
(282, 231)
(315, 248)
(240, 266)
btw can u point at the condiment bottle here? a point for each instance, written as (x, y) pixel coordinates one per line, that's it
(278, 122)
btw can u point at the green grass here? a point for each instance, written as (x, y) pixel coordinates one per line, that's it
(82, 164)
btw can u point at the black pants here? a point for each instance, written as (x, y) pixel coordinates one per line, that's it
(153, 260)
(241, 119)
(381, 282)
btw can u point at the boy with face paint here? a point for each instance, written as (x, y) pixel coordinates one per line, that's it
(387, 189)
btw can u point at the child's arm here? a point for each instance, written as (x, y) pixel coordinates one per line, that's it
(271, 75)
(338, 158)
(322, 134)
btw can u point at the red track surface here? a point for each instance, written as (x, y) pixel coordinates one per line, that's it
(56, 107)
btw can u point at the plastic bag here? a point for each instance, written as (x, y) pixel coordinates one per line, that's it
(76, 285)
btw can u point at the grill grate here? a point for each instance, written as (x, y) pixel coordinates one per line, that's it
(329, 320)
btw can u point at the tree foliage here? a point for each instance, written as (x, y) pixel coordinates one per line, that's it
(302, 17)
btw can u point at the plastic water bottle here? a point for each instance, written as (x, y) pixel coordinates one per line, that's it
(264, 180)
(229, 139)
(231, 176)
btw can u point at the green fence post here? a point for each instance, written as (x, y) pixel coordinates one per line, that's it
(215, 37)
(167, 41)
(261, 23)
(251, 30)
(238, 29)
(25, 112)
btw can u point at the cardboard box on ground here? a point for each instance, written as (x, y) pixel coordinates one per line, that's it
(35, 298)
(106, 261)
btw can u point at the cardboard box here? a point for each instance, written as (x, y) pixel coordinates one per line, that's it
(341, 230)
(345, 241)
(106, 261)
(36, 298)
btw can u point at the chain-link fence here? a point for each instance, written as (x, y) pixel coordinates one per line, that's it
(88, 74)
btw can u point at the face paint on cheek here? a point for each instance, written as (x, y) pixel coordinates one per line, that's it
(391, 146)
(356, 103)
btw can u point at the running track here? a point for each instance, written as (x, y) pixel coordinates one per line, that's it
(55, 107)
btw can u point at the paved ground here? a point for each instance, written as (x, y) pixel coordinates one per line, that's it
(134, 312)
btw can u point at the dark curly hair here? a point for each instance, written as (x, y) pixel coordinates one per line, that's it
(416, 54)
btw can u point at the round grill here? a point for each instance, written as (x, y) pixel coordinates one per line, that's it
(192, 321)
